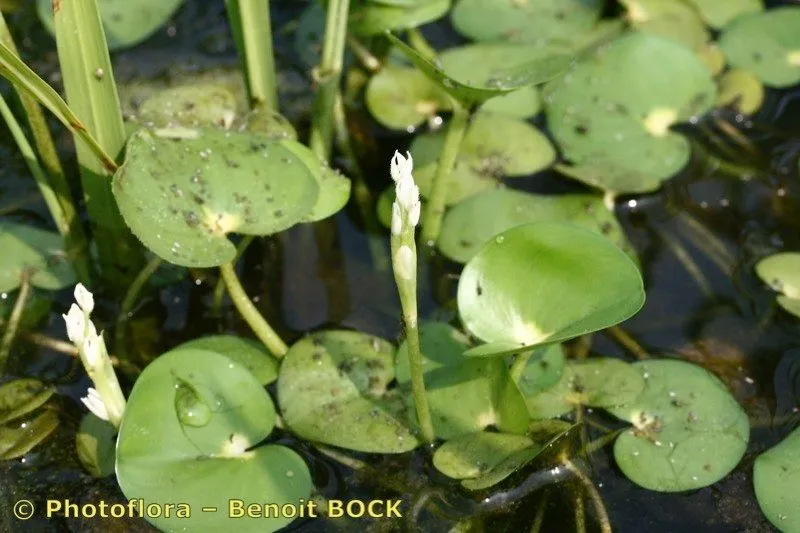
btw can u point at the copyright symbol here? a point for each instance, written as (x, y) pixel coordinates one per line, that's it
(23, 509)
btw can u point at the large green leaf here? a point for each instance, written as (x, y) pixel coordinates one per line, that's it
(332, 388)
(125, 22)
(466, 228)
(529, 20)
(615, 109)
(474, 454)
(688, 431)
(782, 272)
(200, 104)
(674, 20)
(39, 251)
(464, 395)
(187, 436)
(253, 355)
(181, 196)
(767, 44)
(494, 146)
(544, 283)
(776, 479)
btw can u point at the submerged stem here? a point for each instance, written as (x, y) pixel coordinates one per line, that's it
(13, 321)
(130, 299)
(328, 75)
(432, 221)
(594, 496)
(258, 323)
(625, 339)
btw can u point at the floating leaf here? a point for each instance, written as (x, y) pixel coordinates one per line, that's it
(402, 98)
(494, 146)
(22, 396)
(466, 228)
(782, 273)
(544, 283)
(741, 90)
(191, 420)
(767, 44)
(182, 196)
(18, 438)
(204, 104)
(96, 445)
(332, 388)
(776, 479)
(608, 177)
(252, 355)
(677, 21)
(502, 81)
(522, 103)
(474, 454)
(531, 20)
(718, 13)
(464, 395)
(688, 431)
(542, 370)
(39, 251)
(616, 108)
(372, 18)
(125, 23)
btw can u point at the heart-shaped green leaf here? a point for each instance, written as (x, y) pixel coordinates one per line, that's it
(96, 445)
(607, 176)
(372, 18)
(464, 395)
(529, 20)
(332, 388)
(677, 21)
(542, 370)
(196, 105)
(125, 23)
(192, 419)
(741, 90)
(718, 13)
(767, 44)
(544, 283)
(182, 196)
(402, 98)
(474, 454)
(776, 479)
(334, 188)
(252, 355)
(502, 81)
(616, 107)
(688, 431)
(466, 228)
(39, 251)
(782, 273)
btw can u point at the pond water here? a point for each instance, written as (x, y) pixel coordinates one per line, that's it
(697, 239)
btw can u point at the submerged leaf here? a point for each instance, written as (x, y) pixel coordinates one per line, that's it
(474, 454)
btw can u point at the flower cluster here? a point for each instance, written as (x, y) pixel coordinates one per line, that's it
(406, 204)
(105, 399)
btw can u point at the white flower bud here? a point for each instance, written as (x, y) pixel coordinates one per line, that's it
(397, 219)
(95, 404)
(413, 214)
(84, 298)
(404, 263)
(400, 166)
(407, 193)
(76, 324)
(93, 350)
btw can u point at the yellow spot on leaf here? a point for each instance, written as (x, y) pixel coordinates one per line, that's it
(659, 120)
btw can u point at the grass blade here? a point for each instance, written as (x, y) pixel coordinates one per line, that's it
(250, 23)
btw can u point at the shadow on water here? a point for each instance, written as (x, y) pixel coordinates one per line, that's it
(698, 239)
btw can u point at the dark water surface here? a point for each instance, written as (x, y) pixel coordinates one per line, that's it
(309, 278)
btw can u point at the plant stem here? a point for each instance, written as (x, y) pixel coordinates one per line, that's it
(13, 321)
(519, 364)
(601, 442)
(688, 263)
(580, 514)
(364, 55)
(594, 495)
(419, 43)
(131, 296)
(418, 383)
(327, 76)
(219, 289)
(624, 338)
(250, 22)
(434, 212)
(259, 325)
(536, 526)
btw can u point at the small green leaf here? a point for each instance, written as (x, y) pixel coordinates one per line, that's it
(767, 44)
(17, 439)
(22, 396)
(96, 445)
(615, 109)
(542, 370)
(718, 13)
(332, 388)
(677, 21)
(252, 355)
(125, 23)
(544, 283)
(372, 18)
(782, 273)
(204, 104)
(402, 98)
(474, 454)
(466, 229)
(182, 196)
(190, 434)
(688, 431)
(776, 479)
(39, 251)
(741, 90)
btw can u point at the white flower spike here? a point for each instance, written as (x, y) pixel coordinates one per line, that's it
(76, 324)
(93, 350)
(95, 404)
(401, 167)
(84, 298)
(404, 262)
(406, 205)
